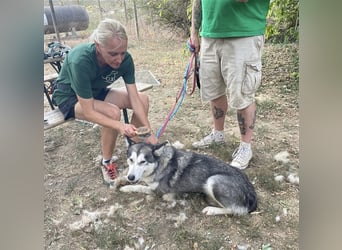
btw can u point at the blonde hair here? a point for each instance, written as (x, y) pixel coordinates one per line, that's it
(108, 28)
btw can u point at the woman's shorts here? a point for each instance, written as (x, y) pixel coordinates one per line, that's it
(68, 107)
(233, 66)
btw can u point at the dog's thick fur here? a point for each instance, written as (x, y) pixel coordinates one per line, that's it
(169, 171)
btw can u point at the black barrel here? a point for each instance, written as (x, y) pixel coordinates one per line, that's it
(67, 18)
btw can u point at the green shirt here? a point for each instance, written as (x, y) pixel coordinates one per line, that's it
(81, 75)
(230, 18)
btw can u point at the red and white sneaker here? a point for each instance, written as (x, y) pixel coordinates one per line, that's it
(109, 172)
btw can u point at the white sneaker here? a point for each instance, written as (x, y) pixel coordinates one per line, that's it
(215, 137)
(242, 155)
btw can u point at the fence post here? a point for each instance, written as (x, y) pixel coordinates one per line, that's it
(136, 19)
(53, 15)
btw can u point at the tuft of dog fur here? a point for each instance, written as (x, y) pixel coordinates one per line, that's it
(169, 171)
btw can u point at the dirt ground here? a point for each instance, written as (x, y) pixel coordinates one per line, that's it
(83, 213)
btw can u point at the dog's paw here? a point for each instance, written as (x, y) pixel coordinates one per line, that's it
(127, 189)
(209, 211)
(216, 210)
(120, 181)
(136, 189)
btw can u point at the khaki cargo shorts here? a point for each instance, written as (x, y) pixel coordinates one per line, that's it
(232, 65)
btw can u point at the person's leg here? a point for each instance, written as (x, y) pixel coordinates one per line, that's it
(243, 80)
(145, 102)
(246, 118)
(243, 154)
(108, 141)
(213, 89)
(108, 135)
(219, 108)
(121, 100)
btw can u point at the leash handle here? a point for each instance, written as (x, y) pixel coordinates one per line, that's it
(194, 60)
(190, 46)
(197, 65)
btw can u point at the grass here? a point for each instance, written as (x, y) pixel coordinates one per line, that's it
(71, 184)
(265, 180)
(268, 107)
(112, 238)
(262, 130)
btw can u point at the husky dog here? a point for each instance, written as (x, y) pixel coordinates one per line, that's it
(169, 171)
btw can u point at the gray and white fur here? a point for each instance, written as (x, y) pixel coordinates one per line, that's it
(169, 171)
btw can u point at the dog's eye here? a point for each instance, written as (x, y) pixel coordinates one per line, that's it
(142, 162)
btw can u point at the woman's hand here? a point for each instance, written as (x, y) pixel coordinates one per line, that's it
(128, 130)
(152, 139)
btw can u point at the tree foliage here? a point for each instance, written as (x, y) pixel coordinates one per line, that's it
(282, 25)
(172, 14)
(283, 21)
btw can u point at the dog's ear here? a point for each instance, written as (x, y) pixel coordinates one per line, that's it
(159, 145)
(158, 148)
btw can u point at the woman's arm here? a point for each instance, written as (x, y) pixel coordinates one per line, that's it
(139, 110)
(137, 105)
(85, 109)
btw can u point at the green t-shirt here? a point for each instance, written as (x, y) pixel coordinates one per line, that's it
(81, 75)
(230, 18)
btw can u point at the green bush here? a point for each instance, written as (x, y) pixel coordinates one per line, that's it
(283, 21)
(172, 14)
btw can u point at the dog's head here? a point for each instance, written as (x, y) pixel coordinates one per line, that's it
(142, 159)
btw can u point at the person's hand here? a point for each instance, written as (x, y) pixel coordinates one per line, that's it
(195, 42)
(151, 139)
(128, 130)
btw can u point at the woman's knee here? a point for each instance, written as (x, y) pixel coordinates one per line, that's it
(144, 99)
(114, 113)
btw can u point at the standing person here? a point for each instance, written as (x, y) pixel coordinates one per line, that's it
(232, 37)
(82, 90)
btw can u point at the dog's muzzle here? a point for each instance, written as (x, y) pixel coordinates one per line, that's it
(131, 178)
